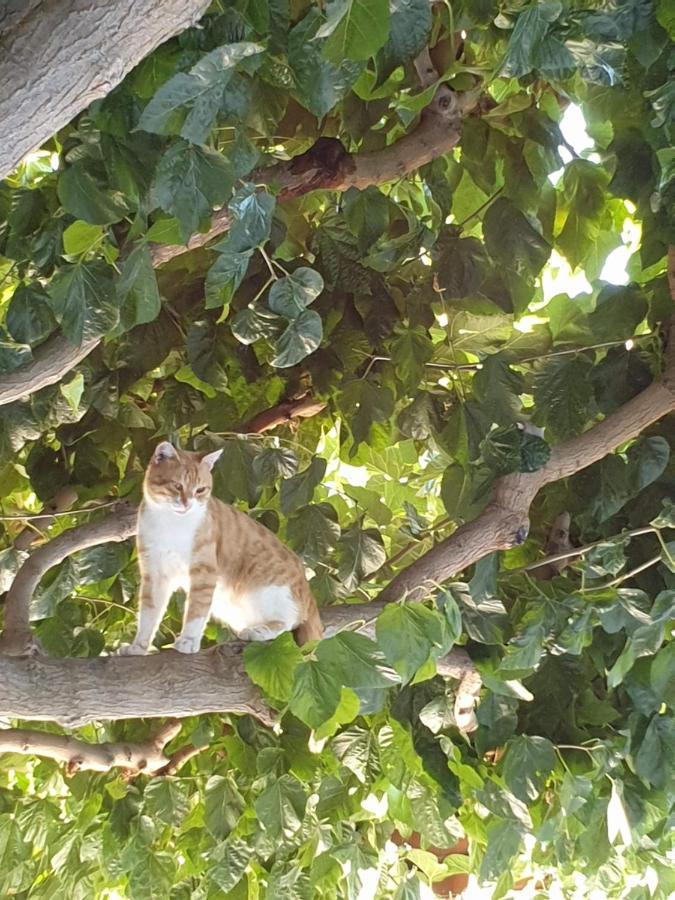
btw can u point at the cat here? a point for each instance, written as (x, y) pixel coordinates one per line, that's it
(232, 568)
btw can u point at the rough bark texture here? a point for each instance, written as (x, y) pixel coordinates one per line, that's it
(51, 361)
(56, 58)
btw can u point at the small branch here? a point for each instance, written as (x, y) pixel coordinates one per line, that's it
(78, 756)
(621, 578)
(51, 361)
(303, 407)
(505, 522)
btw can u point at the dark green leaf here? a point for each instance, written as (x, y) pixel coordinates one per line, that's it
(360, 554)
(528, 763)
(166, 799)
(29, 318)
(313, 532)
(503, 844)
(272, 664)
(512, 239)
(231, 858)
(562, 395)
(355, 29)
(290, 295)
(410, 350)
(302, 337)
(137, 286)
(84, 301)
(81, 196)
(281, 807)
(408, 34)
(299, 490)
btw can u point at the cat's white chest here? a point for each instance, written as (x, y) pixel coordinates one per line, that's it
(167, 539)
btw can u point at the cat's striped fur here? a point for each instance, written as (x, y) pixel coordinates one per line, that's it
(232, 568)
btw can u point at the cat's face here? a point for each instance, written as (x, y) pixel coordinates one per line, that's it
(179, 480)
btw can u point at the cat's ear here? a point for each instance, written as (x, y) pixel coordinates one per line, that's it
(212, 458)
(163, 451)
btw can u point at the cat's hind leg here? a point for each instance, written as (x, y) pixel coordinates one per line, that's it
(266, 631)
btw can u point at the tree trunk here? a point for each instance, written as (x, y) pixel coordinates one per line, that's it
(56, 58)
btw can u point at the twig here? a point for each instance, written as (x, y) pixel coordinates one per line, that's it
(617, 581)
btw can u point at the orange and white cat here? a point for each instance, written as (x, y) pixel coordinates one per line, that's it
(232, 569)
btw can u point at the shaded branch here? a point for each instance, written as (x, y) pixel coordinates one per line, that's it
(505, 521)
(303, 407)
(77, 755)
(437, 133)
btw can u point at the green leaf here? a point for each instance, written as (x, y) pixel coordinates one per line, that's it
(408, 35)
(272, 664)
(290, 295)
(189, 183)
(80, 238)
(13, 355)
(84, 301)
(299, 490)
(29, 317)
(503, 844)
(223, 805)
(513, 240)
(361, 552)
(81, 196)
(275, 462)
(137, 287)
(409, 352)
(166, 799)
(223, 279)
(73, 390)
(281, 807)
(497, 388)
(313, 532)
(366, 403)
(648, 458)
(231, 858)
(528, 36)
(356, 29)
(253, 323)
(528, 763)
(653, 760)
(562, 395)
(302, 337)
(253, 210)
(409, 635)
(202, 89)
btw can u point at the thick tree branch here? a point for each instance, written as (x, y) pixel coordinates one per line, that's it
(303, 407)
(147, 757)
(505, 523)
(56, 58)
(118, 526)
(326, 166)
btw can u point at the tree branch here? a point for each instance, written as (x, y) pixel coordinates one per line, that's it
(77, 755)
(55, 59)
(505, 522)
(303, 407)
(317, 169)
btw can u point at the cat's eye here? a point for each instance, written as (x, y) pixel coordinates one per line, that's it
(200, 490)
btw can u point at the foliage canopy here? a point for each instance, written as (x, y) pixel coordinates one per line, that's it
(432, 313)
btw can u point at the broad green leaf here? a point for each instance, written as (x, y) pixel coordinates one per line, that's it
(503, 843)
(72, 390)
(528, 763)
(410, 351)
(272, 664)
(80, 237)
(231, 858)
(653, 760)
(299, 490)
(355, 29)
(275, 462)
(281, 807)
(29, 317)
(189, 183)
(202, 89)
(361, 553)
(81, 196)
(13, 355)
(223, 279)
(252, 210)
(137, 287)
(313, 531)
(527, 37)
(409, 30)
(409, 635)
(562, 395)
(290, 295)
(497, 388)
(252, 323)
(83, 300)
(302, 337)
(513, 240)
(223, 804)
(166, 799)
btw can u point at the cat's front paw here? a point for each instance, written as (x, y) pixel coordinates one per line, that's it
(133, 649)
(187, 644)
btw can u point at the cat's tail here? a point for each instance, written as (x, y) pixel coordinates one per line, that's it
(311, 629)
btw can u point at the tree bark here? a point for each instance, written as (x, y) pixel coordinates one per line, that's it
(56, 58)
(77, 755)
